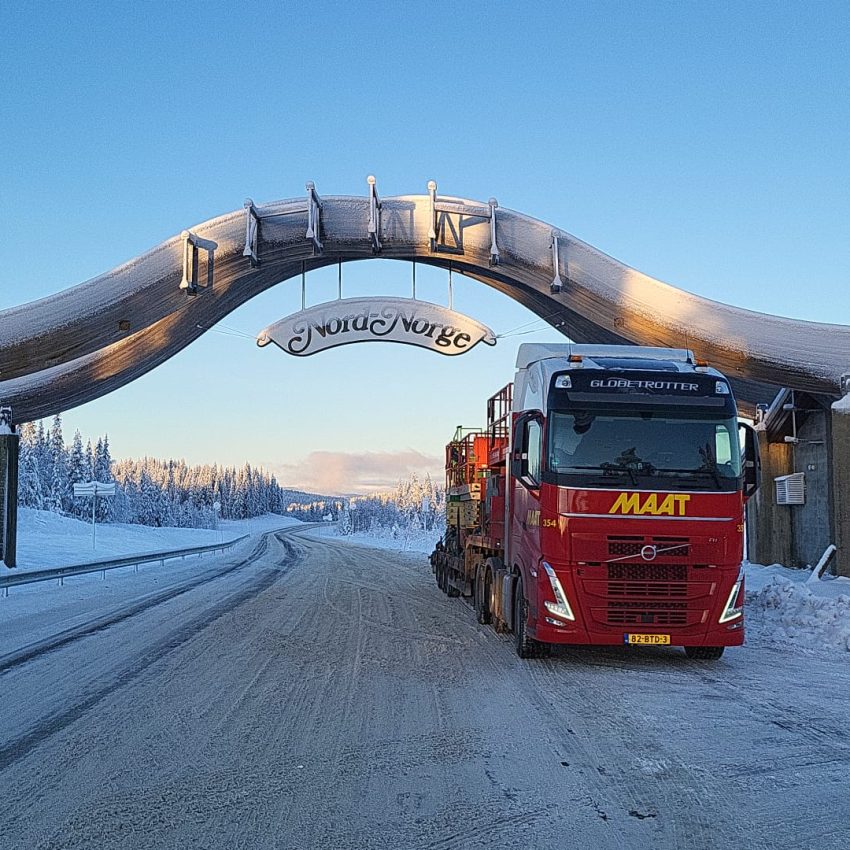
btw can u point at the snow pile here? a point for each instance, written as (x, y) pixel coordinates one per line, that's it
(783, 608)
(47, 539)
(842, 405)
(394, 539)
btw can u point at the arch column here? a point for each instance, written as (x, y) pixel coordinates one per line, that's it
(9, 444)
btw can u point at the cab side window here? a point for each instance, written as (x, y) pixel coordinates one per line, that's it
(534, 449)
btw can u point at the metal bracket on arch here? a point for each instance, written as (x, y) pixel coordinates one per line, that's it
(463, 211)
(191, 245)
(557, 283)
(314, 216)
(374, 226)
(252, 233)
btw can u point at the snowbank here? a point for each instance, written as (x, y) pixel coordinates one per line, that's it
(782, 608)
(46, 539)
(384, 538)
(843, 404)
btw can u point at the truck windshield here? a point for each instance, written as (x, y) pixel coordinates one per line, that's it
(696, 449)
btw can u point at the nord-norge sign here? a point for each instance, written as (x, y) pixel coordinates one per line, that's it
(376, 320)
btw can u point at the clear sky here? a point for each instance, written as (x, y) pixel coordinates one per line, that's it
(706, 144)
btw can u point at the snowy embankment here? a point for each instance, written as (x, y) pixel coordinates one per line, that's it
(783, 608)
(398, 540)
(46, 539)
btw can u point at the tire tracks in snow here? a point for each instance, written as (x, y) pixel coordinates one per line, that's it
(16, 749)
(38, 648)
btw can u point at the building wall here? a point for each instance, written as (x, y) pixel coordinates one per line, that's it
(768, 525)
(811, 524)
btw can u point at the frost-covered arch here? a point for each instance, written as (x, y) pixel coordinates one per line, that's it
(86, 341)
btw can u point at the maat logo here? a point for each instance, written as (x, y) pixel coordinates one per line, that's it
(671, 504)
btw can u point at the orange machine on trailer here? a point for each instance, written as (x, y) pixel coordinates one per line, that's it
(604, 503)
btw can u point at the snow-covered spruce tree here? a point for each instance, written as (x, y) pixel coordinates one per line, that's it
(103, 473)
(77, 473)
(30, 487)
(60, 490)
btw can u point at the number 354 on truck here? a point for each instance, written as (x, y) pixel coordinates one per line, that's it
(603, 503)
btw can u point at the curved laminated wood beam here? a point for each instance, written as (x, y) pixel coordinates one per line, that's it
(77, 345)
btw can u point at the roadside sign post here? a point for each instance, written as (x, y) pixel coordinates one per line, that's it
(217, 509)
(94, 489)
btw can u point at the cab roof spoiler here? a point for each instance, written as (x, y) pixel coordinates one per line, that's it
(532, 352)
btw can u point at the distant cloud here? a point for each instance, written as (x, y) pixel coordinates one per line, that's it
(334, 473)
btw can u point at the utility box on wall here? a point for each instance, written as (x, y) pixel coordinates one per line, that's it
(791, 489)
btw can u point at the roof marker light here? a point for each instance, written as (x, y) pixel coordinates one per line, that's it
(701, 364)
(575, 358)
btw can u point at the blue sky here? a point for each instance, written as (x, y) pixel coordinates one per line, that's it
(703, 143)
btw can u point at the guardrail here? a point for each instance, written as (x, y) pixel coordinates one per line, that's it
(61, 573)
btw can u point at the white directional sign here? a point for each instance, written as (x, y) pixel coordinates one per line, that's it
(94, 488)
(351, 320)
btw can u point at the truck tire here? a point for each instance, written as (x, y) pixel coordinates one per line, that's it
(451, 590)
(526, 647)
(704, 653)
(482, 595)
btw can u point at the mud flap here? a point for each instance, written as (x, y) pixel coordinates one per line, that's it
(506, 603)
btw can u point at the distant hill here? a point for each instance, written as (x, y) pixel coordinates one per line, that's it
(299, 497)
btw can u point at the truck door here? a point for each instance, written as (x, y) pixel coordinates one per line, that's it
(526, 466)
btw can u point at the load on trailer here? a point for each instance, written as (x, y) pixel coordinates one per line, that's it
(604, 502)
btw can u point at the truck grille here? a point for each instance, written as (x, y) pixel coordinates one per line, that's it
(630, 546)
(641, 614)
(647, 572)
(630, 594)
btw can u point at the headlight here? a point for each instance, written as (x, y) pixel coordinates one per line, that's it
(560, 607)
(732, 610)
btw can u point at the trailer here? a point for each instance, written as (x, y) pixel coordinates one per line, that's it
(603, 503)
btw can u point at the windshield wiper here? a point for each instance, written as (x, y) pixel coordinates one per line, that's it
(610, 469)
(699, 471)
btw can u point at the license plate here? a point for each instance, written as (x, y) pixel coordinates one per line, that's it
(646, 639)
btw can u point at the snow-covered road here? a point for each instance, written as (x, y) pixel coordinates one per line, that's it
(310, 694)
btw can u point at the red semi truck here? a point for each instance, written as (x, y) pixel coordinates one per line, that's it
(604, 503)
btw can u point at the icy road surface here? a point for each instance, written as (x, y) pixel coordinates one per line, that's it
(304, 694)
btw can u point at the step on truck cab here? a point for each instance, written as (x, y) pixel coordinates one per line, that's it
(604, 502)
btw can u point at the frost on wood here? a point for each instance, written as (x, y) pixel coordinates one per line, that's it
(75, 346)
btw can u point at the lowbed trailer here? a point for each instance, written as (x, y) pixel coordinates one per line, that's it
(604, 503)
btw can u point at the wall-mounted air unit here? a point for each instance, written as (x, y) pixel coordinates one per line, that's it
(791, 489)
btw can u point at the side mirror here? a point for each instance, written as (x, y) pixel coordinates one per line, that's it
(750, 460)
(522, 467)
(519, 457)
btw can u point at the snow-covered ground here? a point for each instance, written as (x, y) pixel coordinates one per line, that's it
(400, 540)
(46, 539)
(316, 694)
(783, 607)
